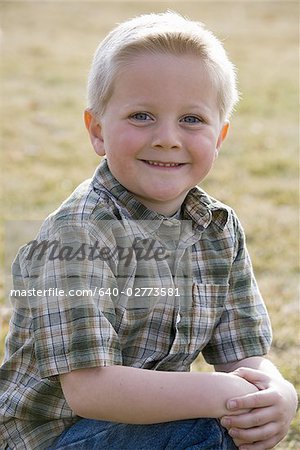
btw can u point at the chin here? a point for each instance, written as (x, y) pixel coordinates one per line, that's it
(164, 199)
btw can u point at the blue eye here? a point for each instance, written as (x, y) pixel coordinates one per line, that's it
(191, 119)
(140, 116)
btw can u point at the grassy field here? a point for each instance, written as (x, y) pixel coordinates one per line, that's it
(46, 52)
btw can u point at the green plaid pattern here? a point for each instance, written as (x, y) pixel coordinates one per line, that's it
(158, 291)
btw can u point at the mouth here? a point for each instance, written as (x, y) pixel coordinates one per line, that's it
(162, 164)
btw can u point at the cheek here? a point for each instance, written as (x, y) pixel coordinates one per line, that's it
(203, 146)
(123, 148)
(135, 139)
(204, 155)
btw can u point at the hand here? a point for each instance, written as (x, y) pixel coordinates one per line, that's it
(271, 411)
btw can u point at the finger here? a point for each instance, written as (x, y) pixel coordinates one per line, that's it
(256, 418)
(258, 434)
(262, 445)
(256, 377)
(238, 443)
(259, 399)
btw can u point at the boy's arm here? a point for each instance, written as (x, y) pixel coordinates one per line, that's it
(140, 396)
(272, 408)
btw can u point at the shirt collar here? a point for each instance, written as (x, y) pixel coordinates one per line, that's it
(198, 206)
(203, 209)
(128, 206)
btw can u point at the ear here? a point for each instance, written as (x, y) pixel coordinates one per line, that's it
(94, 128)
(222, 136)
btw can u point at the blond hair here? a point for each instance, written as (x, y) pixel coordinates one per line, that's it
(168, 33)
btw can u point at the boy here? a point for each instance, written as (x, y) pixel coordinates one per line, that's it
(139, 271)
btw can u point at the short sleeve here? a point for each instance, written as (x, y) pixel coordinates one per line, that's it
(69, 293)
(244, 328)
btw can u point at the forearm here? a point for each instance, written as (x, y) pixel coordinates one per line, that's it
(255, 362)
(130, 395)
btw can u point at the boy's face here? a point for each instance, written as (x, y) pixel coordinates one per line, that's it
(161, 129)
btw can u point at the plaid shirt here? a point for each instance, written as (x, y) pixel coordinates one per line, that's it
(108, 282)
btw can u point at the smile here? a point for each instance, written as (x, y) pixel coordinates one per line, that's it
(163, 164)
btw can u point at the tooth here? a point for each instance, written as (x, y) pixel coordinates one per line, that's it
(160, 164)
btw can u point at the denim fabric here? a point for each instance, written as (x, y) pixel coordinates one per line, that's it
(195, 434)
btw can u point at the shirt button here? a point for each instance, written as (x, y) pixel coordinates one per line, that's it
(171, 223)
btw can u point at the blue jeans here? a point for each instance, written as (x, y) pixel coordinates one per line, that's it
(194, 434)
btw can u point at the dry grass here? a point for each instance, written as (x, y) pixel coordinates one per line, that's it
(47, 49)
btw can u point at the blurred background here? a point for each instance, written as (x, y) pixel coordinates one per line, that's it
(47, 47)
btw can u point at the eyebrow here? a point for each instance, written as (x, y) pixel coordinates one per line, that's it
(146, 105)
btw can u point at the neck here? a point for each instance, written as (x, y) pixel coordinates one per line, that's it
(165, 209)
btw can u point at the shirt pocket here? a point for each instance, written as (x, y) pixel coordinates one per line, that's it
(207, 307)
(196, 322)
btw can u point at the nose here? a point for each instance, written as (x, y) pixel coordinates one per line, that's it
(166, 136)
